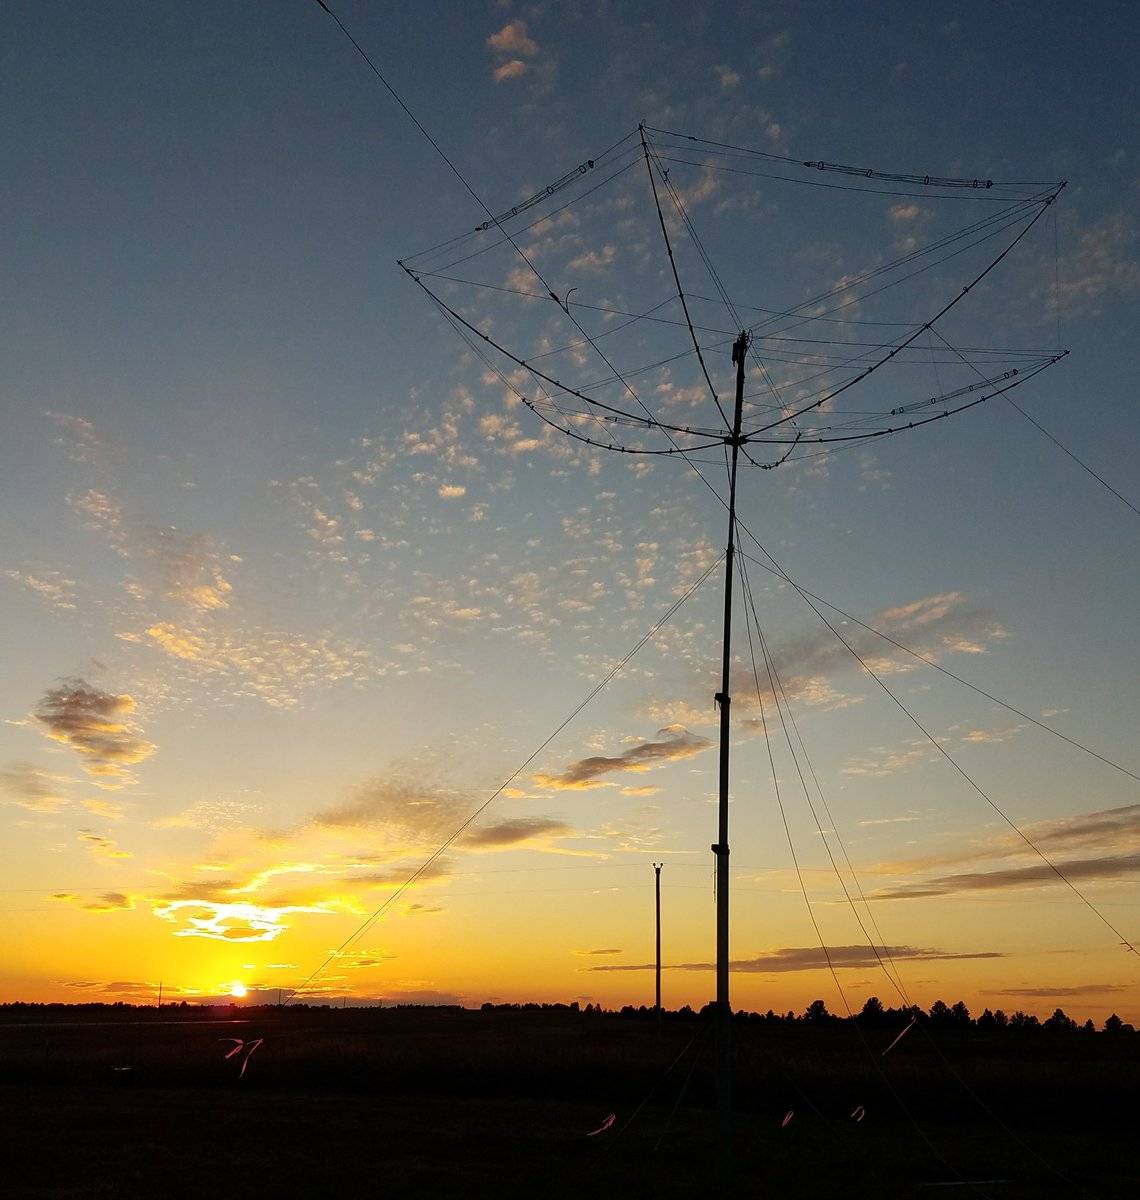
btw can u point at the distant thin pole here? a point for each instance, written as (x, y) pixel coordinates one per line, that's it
(657, 874)
(160, 993)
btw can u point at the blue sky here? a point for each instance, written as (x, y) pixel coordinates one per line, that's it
(318, 572)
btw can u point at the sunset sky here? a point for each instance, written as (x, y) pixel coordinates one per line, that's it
(291, 583)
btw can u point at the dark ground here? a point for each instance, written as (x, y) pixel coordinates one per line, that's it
(421, 1102)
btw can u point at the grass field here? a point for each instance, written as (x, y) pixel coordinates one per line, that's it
(422, 1102)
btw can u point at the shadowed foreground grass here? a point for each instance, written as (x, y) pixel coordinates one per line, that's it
(466, 1104)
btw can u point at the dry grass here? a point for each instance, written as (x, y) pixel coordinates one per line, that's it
(449, 1103)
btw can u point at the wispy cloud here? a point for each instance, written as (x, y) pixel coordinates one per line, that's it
(515, 831)
(411, 811)
(235, 922)
(1046, 992)
(358, 959)
(102, 847)
(184, 567)
(675, 743)
(1108, 867)
(32, 788)
(1103, 844)
(812, 958)
(106, 902)
(814, 665)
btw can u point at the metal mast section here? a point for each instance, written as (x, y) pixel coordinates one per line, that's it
(724, 1053)
(657, 881)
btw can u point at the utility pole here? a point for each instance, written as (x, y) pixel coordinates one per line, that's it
(724, 1047)
(160, 993)
(657, 872)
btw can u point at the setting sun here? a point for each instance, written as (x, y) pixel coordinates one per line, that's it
(238, 990)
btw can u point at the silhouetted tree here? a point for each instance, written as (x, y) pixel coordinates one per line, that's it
(817, 1013)
(872, 1014)
(1059, 1022)
(940, 1013)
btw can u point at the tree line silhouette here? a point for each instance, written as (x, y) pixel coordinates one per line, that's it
(873, 1015)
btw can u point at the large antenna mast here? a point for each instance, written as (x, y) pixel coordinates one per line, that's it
(720, 847)
(809, 424)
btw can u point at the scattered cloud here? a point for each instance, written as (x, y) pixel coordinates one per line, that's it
(513, 38)
(513, 68)
(209, 815)
(512, 46)
(452, 491)
(727, 77)
(880, 764)
(594, 260)
(991, 736)
(1101, 263)
(422, 910)
(675, 743)
(78, 435)
(53, 587)
(273, 665)
(95, 725)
